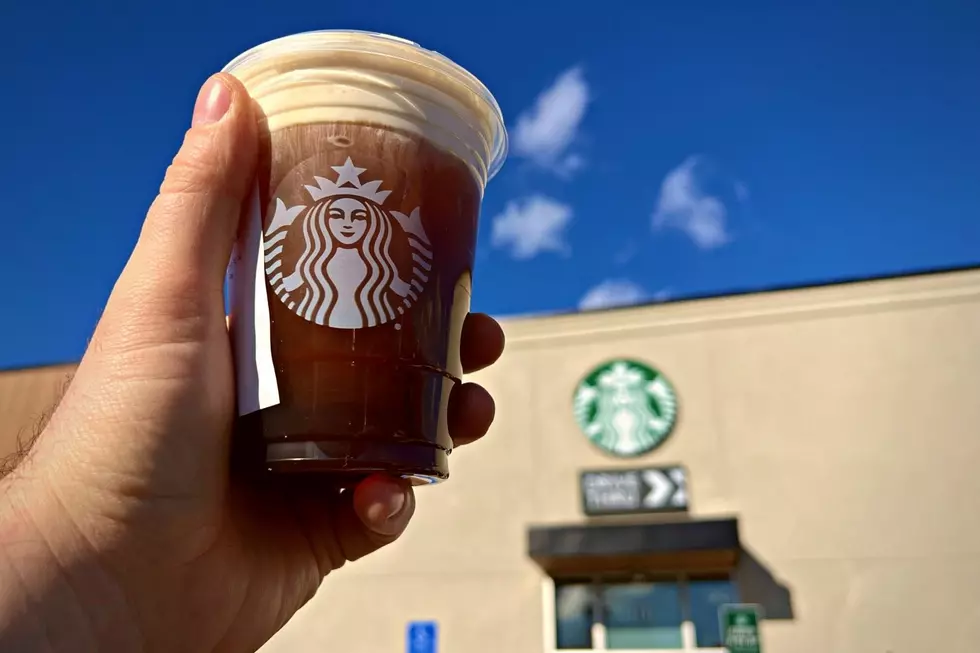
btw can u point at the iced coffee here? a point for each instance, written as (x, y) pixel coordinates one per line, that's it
(351, 278)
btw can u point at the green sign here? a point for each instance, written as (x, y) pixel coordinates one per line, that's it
(740, 628)
(625, 407)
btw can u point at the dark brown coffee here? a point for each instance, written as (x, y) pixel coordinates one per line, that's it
(369, 237)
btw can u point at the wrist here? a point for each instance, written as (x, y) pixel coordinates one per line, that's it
(55, 594)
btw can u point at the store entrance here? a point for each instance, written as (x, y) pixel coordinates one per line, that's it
(637, 586)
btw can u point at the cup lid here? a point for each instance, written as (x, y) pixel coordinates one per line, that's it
(384, 45)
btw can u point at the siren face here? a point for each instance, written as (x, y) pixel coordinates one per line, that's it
(348, 221)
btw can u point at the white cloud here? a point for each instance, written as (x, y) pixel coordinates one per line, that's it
(545, 132)
(532, 225)
(612, 292)
(684, 205)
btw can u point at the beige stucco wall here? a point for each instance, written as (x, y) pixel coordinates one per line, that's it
(840, 425)
(27, 397)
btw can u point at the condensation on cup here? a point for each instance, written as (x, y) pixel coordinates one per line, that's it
(352, 274)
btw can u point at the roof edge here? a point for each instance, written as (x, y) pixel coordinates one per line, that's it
(38, 366)
(767, 290)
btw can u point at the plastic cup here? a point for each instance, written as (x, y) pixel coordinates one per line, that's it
(352, 274)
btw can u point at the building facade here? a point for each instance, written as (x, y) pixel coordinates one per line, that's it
(810, 453)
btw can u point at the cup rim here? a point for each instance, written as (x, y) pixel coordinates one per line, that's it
(350, 40)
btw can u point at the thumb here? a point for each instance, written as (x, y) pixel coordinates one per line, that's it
(158, 363)
(176, 272)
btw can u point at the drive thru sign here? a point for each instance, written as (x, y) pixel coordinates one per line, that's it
(740, 628)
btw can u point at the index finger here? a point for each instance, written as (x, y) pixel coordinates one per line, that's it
(482, 342)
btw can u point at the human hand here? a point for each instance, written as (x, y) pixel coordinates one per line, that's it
(124, 529)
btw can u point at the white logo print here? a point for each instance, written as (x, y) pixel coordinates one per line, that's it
(347, 262)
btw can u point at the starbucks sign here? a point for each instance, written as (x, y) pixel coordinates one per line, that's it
(625, 407)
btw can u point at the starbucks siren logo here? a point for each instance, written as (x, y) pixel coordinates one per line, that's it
(626, 408)
(346, 261)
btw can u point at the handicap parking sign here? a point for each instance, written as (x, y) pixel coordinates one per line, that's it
(422, 637)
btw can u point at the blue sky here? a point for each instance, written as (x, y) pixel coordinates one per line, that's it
(675, 150)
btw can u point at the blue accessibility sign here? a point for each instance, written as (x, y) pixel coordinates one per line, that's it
(422, 637)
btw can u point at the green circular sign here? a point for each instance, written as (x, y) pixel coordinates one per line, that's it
(625, 408)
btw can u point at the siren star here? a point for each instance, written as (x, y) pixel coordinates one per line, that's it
(349, 174)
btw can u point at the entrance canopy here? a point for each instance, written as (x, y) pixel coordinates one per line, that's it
(690, 546)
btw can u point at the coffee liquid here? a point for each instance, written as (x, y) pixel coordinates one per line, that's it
(369, 238)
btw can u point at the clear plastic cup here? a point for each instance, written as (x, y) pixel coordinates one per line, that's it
(352, 275)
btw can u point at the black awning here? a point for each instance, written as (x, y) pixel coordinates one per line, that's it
(678, 545)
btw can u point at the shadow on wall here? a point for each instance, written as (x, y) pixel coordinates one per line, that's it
(756, 584)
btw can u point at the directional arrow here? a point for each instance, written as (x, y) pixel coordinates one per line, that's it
(661, 488)
(679, 499)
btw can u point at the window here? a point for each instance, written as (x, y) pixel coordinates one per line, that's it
(640, 614)
(706, 597)
(573, 616)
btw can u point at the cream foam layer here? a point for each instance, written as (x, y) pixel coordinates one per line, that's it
(401, 86)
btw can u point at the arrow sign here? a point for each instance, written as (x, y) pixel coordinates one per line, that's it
(677, 475)
(661, 489)
(655, 489)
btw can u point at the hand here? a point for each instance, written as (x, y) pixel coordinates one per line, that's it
(123, 531)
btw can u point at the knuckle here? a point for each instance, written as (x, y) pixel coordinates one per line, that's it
(198, 166)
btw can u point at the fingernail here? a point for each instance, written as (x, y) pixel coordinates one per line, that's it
(386, 516)
(388, 507)
(212, 102)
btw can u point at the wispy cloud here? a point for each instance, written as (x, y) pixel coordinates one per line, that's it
(626, 254)
(545, 132)
(684, 205)
(612, 292)
(662, 295)
(741, 191)
(532, 225)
